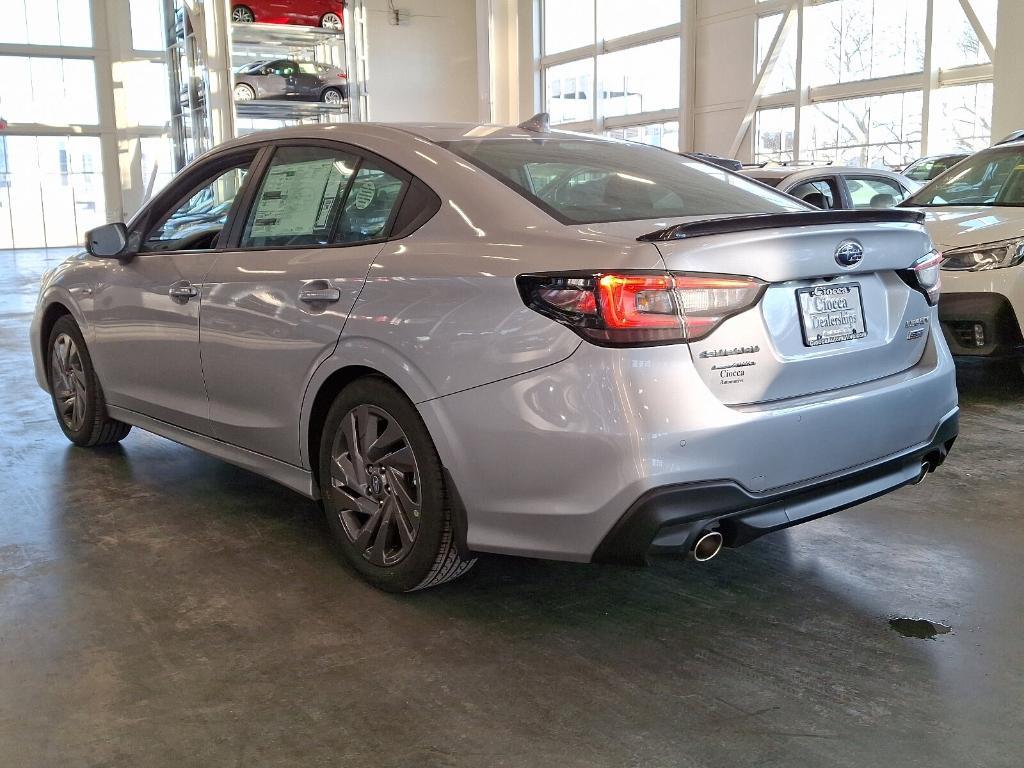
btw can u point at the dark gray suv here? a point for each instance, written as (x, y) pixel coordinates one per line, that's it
(291, 79)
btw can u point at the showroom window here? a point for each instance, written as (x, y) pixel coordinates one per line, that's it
(605, 71)
(51, 189)
(46, 22)
(860, 87)
(52, 91)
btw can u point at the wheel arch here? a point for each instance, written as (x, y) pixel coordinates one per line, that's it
(54, 311)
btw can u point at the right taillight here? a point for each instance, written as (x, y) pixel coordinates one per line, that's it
(639, 308)
(927, 272)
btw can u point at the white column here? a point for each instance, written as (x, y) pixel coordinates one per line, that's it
(1008, 93)
(217, 23)
(107, 91)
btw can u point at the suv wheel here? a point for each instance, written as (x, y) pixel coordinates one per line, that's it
(383, 490)
(75, 390)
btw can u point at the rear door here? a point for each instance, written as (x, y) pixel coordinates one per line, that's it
(819, 325)
(278, 299)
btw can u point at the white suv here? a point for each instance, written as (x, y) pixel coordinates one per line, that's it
(975, 216)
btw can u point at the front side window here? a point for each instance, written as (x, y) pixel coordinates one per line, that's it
(874, 192)
(584, 181)
(196, 224)
(995, 177)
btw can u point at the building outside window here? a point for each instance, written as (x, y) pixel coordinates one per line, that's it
(882, 45)
(613, 72)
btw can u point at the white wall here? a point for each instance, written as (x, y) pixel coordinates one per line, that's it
(425, 68)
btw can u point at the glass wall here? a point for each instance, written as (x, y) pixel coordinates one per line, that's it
(881, 44)
(59, 147)
(600, 82)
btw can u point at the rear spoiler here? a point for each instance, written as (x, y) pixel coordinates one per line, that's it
(729, 224)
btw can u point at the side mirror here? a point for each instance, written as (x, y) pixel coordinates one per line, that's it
(108, 242)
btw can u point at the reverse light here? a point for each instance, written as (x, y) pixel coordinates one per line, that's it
(639, 308)
(977, 258)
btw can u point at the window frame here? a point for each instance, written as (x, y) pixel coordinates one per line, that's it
(183, 188)
(240, 216)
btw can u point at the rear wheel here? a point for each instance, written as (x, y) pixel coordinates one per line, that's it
(383, 490)
(242, 15)
(331, 21)
(77, 397)
(332, 96)
(244, 92)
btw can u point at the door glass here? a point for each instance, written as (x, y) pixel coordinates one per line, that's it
(299, 198)
(369, 205)
(818, 193)
(196, 224)
(874, 192)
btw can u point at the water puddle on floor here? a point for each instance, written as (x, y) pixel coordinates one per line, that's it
(922, 629)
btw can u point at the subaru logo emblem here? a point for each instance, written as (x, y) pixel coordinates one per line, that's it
(849, 253)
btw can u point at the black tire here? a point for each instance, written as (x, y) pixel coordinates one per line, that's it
(432, 558)
(93, 426)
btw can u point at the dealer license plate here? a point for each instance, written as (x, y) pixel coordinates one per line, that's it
(831, 313)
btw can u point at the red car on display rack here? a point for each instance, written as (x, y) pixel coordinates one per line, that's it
(311, 13)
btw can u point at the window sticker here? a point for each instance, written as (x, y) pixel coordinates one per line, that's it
(290, 203)
(364, 195)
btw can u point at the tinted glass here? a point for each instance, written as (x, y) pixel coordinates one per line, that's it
(588, 181)
(370, 204)
(299, 198)
(988, 178)
(196, 224)
(820, 194)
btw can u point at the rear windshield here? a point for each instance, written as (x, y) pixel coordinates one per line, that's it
(583, 181)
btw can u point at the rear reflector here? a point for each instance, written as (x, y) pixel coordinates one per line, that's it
(639, 308)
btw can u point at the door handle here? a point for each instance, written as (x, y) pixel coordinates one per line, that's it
(182, 291)
(319, 295)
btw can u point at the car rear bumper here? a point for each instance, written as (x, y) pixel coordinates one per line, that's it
(670, 519)
(548, 462)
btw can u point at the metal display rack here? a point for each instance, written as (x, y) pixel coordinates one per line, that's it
(191, 97)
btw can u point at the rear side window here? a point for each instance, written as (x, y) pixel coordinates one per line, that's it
(370, 205)
(821, 193)
(874, 192)
(300, 198)
(586, 181)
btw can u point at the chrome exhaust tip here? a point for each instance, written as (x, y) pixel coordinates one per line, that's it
(926, 467)
(707, 546)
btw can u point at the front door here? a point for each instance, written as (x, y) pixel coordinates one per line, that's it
(275, 304)
(146, 310)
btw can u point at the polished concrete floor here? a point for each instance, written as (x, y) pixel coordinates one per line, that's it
(161, 608)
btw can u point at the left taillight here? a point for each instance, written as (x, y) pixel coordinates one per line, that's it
(639, 308)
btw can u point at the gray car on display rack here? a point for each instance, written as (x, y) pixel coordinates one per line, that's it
(475, 338)
(291, 79)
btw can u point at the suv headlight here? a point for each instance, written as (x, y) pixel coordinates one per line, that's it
(998, 255)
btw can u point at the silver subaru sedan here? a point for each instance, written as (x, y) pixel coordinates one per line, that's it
(473, 338)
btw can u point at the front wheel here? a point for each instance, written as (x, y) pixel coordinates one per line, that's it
(244, 92)
(384, 492)
(77, 397)
(242, 15)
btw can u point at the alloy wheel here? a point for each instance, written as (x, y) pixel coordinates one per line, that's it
(332, 97)
(244, 93)
(68, 382)
(375, 485)
(331, 21)
(242, 16)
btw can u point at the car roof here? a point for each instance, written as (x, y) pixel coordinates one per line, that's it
(786, 172)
